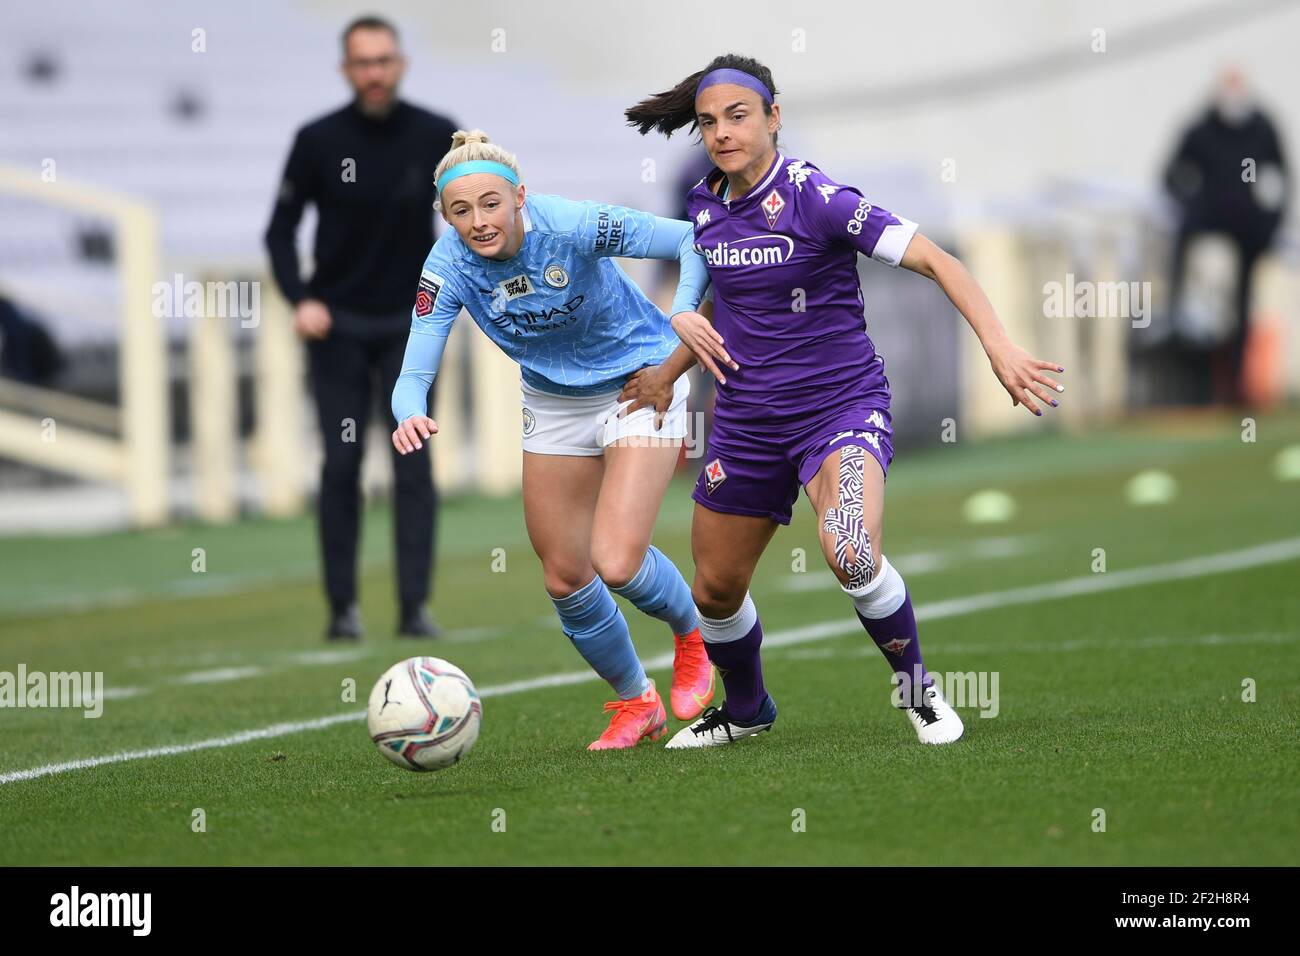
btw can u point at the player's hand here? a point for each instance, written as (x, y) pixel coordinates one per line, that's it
(1024, 376)
(698, 334)
(408, 434)
(648, 388)
(311, 319)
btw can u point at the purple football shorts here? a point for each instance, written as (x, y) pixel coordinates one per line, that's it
(758, 471)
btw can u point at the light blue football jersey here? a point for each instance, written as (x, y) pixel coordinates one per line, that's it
(561, 307)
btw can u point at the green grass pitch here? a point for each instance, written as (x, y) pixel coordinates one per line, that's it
(1124, 697)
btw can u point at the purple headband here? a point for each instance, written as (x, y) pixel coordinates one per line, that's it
(738, 77)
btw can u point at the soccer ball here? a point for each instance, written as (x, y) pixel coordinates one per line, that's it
(424, 714)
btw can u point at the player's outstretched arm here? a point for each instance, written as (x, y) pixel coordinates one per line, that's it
(1022, 375)
(675, 239)
(642, 235)
(653, 386)
(703, 343)
(411, 393)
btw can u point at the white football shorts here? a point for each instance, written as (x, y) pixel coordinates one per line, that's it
(588, 424)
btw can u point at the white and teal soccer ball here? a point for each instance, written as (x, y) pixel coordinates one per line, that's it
(424, 714)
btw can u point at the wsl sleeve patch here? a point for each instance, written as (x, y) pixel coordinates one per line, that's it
(426, 295)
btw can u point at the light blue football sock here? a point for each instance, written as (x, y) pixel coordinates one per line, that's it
(659, 590)
(592, 621)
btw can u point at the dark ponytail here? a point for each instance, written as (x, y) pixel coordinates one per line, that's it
(669, 111)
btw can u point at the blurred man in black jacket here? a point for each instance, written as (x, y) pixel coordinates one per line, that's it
(1229, 176)
(368, 168)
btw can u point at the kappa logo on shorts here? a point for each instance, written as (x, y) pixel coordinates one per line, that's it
(897, 645)
(714, 475)
(871, 438)
(877, 420)
(426, 295)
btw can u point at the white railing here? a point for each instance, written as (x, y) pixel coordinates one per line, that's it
(51, 432)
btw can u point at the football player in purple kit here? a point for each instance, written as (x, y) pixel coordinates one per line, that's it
(802, 395)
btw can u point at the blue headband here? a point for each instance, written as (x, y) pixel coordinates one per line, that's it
(738, 77)
(476, 166)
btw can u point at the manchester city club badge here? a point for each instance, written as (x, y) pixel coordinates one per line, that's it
(555, 276)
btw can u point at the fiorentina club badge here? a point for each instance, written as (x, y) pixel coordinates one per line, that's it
(713, 475)
(897, 645)
(772, 206)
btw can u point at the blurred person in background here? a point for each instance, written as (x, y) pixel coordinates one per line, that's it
(368, 168)
(28, 353)
(1218, 191)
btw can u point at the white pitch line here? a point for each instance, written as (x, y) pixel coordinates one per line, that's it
(916, 563)
(122, 693)
(326, 657)
(261, 733)
(1057, 647)
(1273, 553)
(218, 676)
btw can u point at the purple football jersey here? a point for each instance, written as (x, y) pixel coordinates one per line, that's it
(783, 264)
